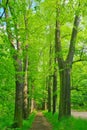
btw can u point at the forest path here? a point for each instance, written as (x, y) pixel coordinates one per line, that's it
(79, 114)
(40, 123)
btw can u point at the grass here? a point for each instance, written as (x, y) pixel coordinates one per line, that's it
(66, 123)
(79, 108)
(28, 123)
(6, 122)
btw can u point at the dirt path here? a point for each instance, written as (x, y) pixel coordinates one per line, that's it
(79, 114)
(40, 123)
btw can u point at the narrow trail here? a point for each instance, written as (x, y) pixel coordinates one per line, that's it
(40, 123)
(79, 114)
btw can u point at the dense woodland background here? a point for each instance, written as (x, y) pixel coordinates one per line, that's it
(43, 58)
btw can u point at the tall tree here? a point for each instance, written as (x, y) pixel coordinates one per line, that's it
(65, 66)
(18, 76)
(50, 78)
(14, 38)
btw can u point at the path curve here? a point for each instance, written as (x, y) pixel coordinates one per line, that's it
(40, 123)
(79, 114)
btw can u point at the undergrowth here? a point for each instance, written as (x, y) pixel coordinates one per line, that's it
(5, 123)
(66, 123)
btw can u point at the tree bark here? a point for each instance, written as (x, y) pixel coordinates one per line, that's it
(18, 120)
(25, 89)
(18, 113)
(32, 105)
(54, 90)
(64, 103)
(44, 105)
(50, 76)
(49, 94)
(55, 79)
(32, 99)
(26, 63)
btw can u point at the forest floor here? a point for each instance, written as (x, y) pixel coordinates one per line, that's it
(79, 114)
(40, 123)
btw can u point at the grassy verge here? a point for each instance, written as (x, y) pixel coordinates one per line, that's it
(27, 124)
(7, 121)
(66, 123)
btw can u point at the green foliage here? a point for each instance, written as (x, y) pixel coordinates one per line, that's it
(28, 123)
(6, 122)
(7, 84)
(66, 123)
(6, 119)
(79, 87)
(40, 32)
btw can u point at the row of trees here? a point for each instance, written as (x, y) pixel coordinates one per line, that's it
(40, 40)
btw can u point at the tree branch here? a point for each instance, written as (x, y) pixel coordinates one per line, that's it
(4, 9)
(58, 37)
(65, 36)
(73, 40)
(9, 32)
(79, 60)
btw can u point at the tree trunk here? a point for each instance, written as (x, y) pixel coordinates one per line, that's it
(49, 94)
(44, 104)
(55, 80)
(50, 75)
(64, 106)
(25, 89)
(32, 105)
(54, 90)
(32, 99)
(18, 120)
